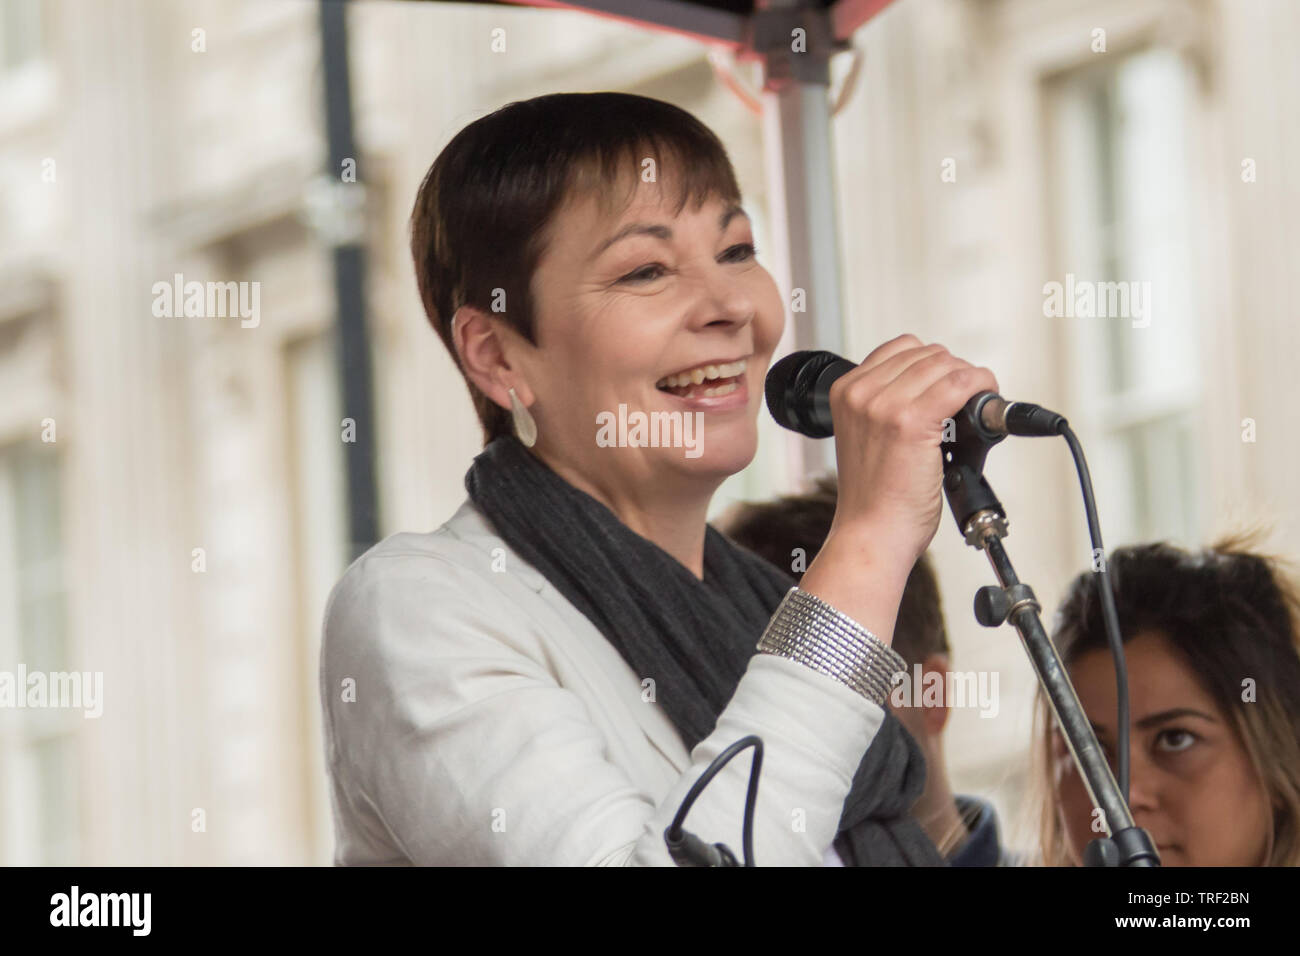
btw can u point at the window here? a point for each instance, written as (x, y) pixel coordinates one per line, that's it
(38, 785)
(1121, 219)
(20, 32)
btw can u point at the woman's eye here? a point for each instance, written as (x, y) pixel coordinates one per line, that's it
(644, 274)
(737, 253)
(1175, 740)
(741, 252)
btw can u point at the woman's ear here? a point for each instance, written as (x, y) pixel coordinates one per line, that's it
(483, 346)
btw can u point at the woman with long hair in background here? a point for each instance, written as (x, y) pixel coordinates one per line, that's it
(1210, 640)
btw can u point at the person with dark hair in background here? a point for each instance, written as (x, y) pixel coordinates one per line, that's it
(788, 531)
(1210, 644)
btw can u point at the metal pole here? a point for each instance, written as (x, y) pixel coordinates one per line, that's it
(345, 235)
(795, 44)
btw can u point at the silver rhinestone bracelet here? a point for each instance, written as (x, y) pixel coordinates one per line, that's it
(806, 629)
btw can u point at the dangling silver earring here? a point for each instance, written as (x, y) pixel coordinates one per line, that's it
(525, 426)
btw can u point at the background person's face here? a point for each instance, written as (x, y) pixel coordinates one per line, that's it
(1192, 786)
(613, 322)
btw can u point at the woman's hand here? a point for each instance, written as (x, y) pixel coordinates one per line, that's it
(889, 416)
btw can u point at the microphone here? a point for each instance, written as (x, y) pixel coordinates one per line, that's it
(798, 390)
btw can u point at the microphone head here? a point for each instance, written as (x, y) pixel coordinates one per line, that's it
(793, 394)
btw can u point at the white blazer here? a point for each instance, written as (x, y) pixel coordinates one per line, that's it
(473, 716)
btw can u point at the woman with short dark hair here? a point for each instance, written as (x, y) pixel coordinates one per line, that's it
(542, 679)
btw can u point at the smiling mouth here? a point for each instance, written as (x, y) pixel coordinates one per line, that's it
(706, 381)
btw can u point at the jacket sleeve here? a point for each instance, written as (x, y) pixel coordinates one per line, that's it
(467, 749)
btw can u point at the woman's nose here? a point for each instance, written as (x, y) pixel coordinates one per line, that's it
(722, 300)
(1144, 784)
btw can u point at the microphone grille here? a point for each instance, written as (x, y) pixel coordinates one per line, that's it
(775, 389)
(789, 384)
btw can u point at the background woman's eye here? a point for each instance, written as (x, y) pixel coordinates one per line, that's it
(741, 252)
(1175, 739)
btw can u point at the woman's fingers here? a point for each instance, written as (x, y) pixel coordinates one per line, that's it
(867, 379)
(955, 387)
(888, 421)
(886, 351)
(915, 388)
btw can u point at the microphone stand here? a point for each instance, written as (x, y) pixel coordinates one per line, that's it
(983, 523)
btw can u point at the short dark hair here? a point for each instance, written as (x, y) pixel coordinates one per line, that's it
(774, 529)
(482, 213)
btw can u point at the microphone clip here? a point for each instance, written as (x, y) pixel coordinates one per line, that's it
(974, 506)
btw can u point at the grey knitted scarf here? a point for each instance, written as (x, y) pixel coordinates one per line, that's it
(696, 636)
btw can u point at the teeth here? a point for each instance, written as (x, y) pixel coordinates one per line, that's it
(722, 389)
(697, 375)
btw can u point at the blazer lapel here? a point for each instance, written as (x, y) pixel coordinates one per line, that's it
(469, 524)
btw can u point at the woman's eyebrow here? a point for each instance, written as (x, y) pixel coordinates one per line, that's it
(659, 231)
(1152, 719)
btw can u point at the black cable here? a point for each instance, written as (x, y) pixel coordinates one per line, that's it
(683, 843)
(1108, 612)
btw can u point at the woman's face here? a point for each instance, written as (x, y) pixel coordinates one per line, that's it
(1192, 786)
(625, 300)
